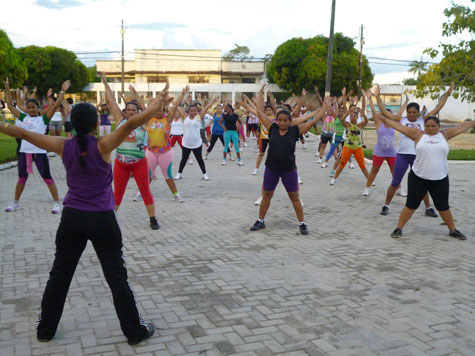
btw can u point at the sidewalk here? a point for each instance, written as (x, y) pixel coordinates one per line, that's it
(212, 287)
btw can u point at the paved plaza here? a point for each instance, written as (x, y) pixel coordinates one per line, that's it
(212, 287)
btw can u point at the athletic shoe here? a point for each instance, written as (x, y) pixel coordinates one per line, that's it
(303, 146)
(258, 201)
(154, 224)
(190, 161)
(245, 144)
(178, 176)
(232, 158)
(12, 207)
(324, 165)
(224, 162)
(44, 339)
(364, 146)
(457, 234)
(396, 233)
(56, 209)
(205, 177)
(430, 212)
(373, 184)
(258, 226)
(332, 181)
(319, 160)
(300, 180)
(178, 198)
(138, 197)
(316, 154)
(401, 192)
(366, 192)
(303, 229)
(206, 156)
(240, 163)
(150, 332)
(332, 173)
(255, 172)
(384, 210)
(352, 166)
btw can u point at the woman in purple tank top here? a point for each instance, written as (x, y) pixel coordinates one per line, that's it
(385, 148)
(88, 214)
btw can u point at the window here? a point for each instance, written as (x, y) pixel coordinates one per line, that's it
(157, 79)
(249, 80)
(198, 79)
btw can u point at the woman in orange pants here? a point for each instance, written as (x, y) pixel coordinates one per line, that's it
(353, 143)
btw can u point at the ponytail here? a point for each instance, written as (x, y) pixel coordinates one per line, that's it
(84, 121)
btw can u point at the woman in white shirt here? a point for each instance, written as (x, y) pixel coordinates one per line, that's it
(429, 171)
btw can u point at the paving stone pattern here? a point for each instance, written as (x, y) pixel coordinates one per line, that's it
(212, 287)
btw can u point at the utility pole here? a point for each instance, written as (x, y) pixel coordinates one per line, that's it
(328, 79)
(122, 32)
(360, 74)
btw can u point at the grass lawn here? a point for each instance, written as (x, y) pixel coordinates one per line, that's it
(454, 155)
(7, 148)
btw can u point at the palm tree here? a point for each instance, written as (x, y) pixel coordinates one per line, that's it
(418, 67)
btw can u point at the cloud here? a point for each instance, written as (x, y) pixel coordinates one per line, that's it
(157, 26)
(58, 5)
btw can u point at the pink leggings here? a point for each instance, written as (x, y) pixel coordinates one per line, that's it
(122, 173)
(163, 160)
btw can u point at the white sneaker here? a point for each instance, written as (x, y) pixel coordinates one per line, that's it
(319, 160)
(13, 206)
(303, 146)
(258, 201)
(332, 181)
(401, 192)
(138, 197)
(224, 162)
(231, 158)
(255, 172)
(240, 163)
(206, 157)
(366, 192)
(352, 166)
(324, 165)
(245, 144)
(178, 198)
(300, 180)
(316, 154)
(56, 208)
(205, 177)
(190, 161)
(178, 176)
(373, 184)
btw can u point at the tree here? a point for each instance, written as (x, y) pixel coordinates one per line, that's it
(458, 60)
(409, 81)
(302, 63)
(239, 53)
(48, 67)
(418, 67)
(92, 76)
(11, 65)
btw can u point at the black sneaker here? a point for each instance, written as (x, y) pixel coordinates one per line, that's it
(457, 234)
(431, 212)
(396, 233)
(154, 224)
(258, 226)
(150, 332)
(44, 339)
(303, 229)
(384, 210)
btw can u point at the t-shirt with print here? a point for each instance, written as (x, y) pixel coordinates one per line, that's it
(230, 121)
(353, 137)
(36, 124)
(132, 148)
(158, 135)
(264, 133)
(281, 154)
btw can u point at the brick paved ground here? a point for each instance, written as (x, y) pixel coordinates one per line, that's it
(212, 287)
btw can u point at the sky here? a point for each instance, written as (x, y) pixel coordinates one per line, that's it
(398, 30)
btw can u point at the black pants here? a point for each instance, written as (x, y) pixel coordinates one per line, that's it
(75, 229)
(214, 138)
(185, 153)
(418, 187)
